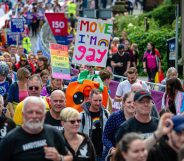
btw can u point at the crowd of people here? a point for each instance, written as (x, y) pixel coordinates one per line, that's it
(37, 124)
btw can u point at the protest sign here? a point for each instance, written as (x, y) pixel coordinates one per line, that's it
(13, 38)
(92, 42)
(58, 23)
(17, 25)
(60, 61)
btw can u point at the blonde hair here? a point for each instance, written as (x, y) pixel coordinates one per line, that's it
(115, 39)
(170, 71)
(69, 113)
(135, 46)
(1, 58)
(6, 54)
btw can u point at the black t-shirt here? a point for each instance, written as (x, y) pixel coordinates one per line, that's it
(133, 125)
(18, 145)
(116, 58)
(6, 125)
(53, 122)
(96, 132)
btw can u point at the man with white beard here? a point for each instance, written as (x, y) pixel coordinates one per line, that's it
(34, 141)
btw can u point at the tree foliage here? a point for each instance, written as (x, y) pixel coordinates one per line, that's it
(161, 28)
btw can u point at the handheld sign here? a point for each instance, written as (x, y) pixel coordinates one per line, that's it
(13, 38)
(58, 23)
(92, 42)
(17, 25)
(60, 61)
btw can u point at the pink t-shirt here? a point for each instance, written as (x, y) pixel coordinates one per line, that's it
(151, 61)
(22, 94)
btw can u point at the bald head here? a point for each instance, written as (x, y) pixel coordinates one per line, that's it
(135, 87)
(57, 92)
(58, 102)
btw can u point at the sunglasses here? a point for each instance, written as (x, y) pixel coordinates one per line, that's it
(33, 87)
(74, 121)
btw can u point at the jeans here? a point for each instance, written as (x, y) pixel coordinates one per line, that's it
(151, 74)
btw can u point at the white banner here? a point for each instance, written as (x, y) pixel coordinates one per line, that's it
(92, 41)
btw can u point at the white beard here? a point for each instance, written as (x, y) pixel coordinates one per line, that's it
(34, 126)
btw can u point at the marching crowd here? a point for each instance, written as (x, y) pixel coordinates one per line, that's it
(37, 124)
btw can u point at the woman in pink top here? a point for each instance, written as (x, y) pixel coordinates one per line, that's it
(18, 90)
(151, 62)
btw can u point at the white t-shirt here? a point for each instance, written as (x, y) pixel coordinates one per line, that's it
(125, 87)
(17, 58)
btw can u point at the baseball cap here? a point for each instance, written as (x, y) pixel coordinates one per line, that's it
(178, 122)
(140, 94)
(120, 46)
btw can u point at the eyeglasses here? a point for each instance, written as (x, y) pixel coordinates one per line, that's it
(74, 121)
(33, 87)
(147, 102)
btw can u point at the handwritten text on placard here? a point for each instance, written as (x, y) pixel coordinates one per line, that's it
(92, 42)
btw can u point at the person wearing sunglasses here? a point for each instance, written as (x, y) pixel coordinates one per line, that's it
(142, 122)
(57, 103)
(34, 85)
(25, 63)
(78, 144)
(34, 141)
